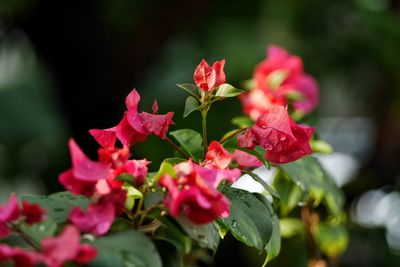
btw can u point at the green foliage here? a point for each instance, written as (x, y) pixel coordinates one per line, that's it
(191, 105)
(331, 239)
(38, 231)
(250, 220)
(165, 168)
(127, 248)
(227, 90)
(206, 235)
(58, 204)
(291, 227)
(191, 89)
(308, 173)
(191, 142)
(290, 194)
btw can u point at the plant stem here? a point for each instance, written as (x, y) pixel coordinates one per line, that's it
(204, 127)
(26, 237)
(309, 221)
(232, 135)
(177, 148)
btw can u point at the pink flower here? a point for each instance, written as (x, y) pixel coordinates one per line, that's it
(217, 156)
(20, 257)
(208, 78)
(33, 212)
(284, 140)
(8, 212)
(134, 126)
(257, 102)
(246, 160)
(99, 216)
(275, 78)
(66, 247)
(87, 177)
(194, 192)
(84, 174)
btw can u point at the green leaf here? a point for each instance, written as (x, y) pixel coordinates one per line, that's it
(331, 239)
(242, 121)
(170, 255)
(39, 231)
(320, 146)
(174, 161)
(128, 248)
(153, 198)
(308, 173)
(206, 235)
(165, 168)
(171, 232)
(227, 90)
(191, 89)
(191, 105)
(58, 204)
(291, 227)
(121, 224)
(289, 192)
(126, 177)
(274, 245)
(191, 142)
(131, 196)
(250, 220)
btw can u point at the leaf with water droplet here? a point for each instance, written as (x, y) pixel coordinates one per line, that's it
(250, 219)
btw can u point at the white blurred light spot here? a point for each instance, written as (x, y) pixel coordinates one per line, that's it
(341, 167)
(245, 182)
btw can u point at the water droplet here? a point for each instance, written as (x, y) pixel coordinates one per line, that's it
(283, 138)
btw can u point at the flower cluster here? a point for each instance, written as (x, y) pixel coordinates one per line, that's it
(11, 212)
(284, 140)
(193, 191)
(52, 249)
(278, 79)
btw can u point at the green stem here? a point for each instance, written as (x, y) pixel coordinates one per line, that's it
(232, 135)
(177, 148)
(26, 237)
(204, 127)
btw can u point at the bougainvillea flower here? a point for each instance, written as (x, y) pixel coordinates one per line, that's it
(106, 137)
(194, 192)
(246, 160)
(257, 102)
(19, 257)
(208, 78)
(8, 212)
(33, 213)
(96, 220)
(100, 215)
(84, 174)
(284, 140)
(135, 126)
(66, 247)
(279, 76)
(218, 156)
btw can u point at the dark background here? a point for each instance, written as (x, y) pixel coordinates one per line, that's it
(66, 67)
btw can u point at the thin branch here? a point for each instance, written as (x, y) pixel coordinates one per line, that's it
(177, 148)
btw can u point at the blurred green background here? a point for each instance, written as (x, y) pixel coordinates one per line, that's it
(66, 67)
